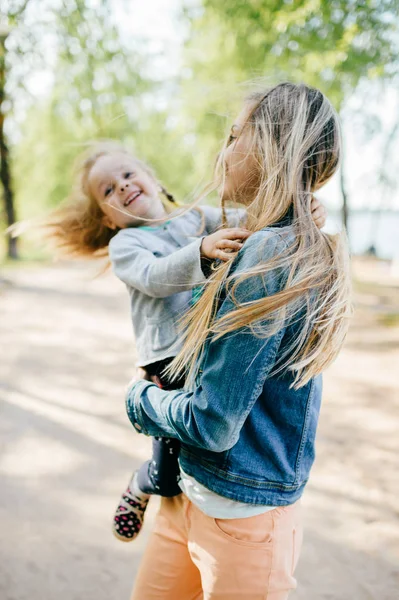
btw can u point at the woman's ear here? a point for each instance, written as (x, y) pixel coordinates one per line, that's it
(108, 222)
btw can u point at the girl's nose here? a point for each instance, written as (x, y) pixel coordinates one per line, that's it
(123, 185)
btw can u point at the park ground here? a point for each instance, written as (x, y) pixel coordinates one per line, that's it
(67, 449)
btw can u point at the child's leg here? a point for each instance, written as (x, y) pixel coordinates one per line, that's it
(161, 474)
(129, 516)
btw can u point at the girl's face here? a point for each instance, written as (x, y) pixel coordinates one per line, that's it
(124, 191)
(241, 167)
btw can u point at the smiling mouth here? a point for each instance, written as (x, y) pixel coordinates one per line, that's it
(132, 197)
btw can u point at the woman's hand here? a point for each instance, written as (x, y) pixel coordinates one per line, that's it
(319, 213)
(223, 243)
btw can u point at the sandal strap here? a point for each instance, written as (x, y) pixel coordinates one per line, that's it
(138, 507)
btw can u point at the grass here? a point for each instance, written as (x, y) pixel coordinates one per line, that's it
(30, 254)
(389, 319)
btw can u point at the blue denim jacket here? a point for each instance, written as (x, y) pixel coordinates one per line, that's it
(246, 434)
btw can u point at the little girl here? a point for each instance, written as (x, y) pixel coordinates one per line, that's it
(119, 204)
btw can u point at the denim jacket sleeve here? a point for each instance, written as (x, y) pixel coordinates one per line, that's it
(234, 369)
(157, 277)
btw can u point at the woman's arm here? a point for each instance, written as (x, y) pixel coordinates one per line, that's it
(234, 370)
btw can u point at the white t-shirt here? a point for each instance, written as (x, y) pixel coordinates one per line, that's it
(217, 506)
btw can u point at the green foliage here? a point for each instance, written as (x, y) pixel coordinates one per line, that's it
(44, 159)
(235, 47)
(101, 87)
(328, 43)
(96, 94)
(99, 91)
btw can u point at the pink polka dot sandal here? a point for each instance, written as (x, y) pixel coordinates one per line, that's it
(129, 516)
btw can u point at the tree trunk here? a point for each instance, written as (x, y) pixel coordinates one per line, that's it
(345, 204)
(5, 174)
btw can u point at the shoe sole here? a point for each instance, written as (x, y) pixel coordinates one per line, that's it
(122, 538)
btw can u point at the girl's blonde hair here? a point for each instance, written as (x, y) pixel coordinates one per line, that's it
(77, 227)
(294, 136)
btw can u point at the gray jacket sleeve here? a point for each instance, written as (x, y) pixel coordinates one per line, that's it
(157, 277)
(213, 218)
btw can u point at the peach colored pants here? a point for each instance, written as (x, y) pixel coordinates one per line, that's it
(191, 556)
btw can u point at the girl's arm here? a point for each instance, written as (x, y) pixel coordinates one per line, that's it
(180, 271)
(157, 277)
(234, 370)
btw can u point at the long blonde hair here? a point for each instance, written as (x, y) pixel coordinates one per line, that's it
(77, 227)
(294, 136)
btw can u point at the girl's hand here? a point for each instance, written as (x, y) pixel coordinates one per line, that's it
(223, 243)
(138, 376)
(142, 374)
(319, 213)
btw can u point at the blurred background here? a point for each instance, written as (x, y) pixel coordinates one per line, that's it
(166, 78)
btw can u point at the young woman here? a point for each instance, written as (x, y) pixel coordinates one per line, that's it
(268, 323)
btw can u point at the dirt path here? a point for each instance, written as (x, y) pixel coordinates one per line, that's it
(66, 448)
